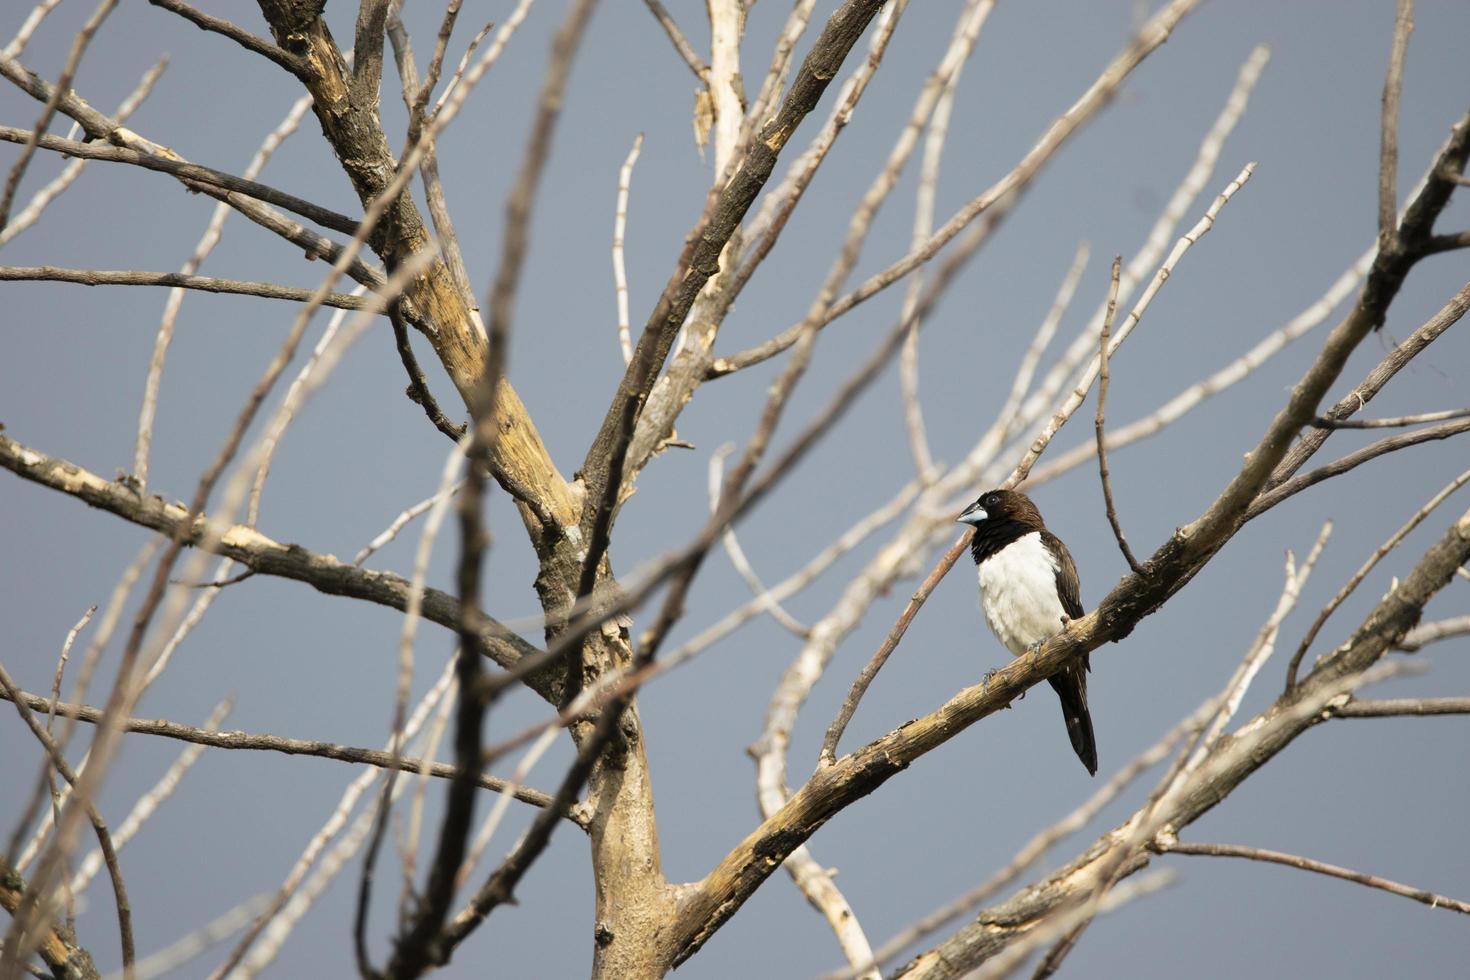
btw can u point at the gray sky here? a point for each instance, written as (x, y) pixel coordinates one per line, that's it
(1385, 797)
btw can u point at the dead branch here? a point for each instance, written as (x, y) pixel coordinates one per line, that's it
(1319, 867)
(677, 38)
(30, 138)
(178, 280)
(1388, 154)
(1347, 589)
(259, 552)
(183, 170)
(700, 258)
(1155, 33)
(1426, 633)
(1098, 423)
(218, 25)
(35, 903)
(1402, 707)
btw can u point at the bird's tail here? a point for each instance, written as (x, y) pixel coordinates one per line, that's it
(1071, 687)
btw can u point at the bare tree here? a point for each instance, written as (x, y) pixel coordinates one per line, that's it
(600, 638)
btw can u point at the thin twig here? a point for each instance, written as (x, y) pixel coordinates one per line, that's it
(502, 804)
(286, 897)
(1060, 925)
(613, 684)
(27, 30)
(39, 201)
(325, 348)
(453, 463)
(1426, 633)
(763, 595)
(1223, 379)
(1390, 423)
(397, 525)
(699, 261)
(183, 170)
(153, 381)
(908, 363)
(1402, 707)
(1364, 569)
(1388, 151)
(415, 100)
(181, 951)
(1308, 442)
(680, 42)
(148, 803)
(176, 280)
(516, 238)
(251, 548)
(620, 224)
(111, 614)
(250, 42)
(411, 835)
(1098, 424)
(1100, 93)
(418, 386)
(30, 138)
(1319, 867)
(18, 941)
(1353, 460)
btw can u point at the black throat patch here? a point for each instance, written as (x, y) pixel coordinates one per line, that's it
(993, 535)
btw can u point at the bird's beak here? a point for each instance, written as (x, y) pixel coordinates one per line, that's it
(973, 515)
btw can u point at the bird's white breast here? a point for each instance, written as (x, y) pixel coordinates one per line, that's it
(1018, 593)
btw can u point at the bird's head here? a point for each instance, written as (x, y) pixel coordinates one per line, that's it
(1002, 507)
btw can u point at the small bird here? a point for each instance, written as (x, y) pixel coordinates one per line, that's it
(1028, 591)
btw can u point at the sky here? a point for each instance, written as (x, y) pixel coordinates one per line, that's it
(1382, 796)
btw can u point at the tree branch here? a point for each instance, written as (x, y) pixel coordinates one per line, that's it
(1102, 401)
(32, 905)
(295, 65)
(1390, 423)
(29, 138)
(1362, 573)
(178, 280)
(681, 43)
(1352, 460)
(701, 255)
(250, 741)
(1388, 152)
(1318, 867)
(184, 170)
(1426, 633)
(1402, 707)
(262, 554)
(1155, 33)
(58, 948)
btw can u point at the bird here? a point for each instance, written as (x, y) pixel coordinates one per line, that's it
(1028, 592)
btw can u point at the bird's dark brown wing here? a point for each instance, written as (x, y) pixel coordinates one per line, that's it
(1071, 683)
(1068, 588)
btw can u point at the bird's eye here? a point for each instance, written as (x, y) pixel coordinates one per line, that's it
(991, 499)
